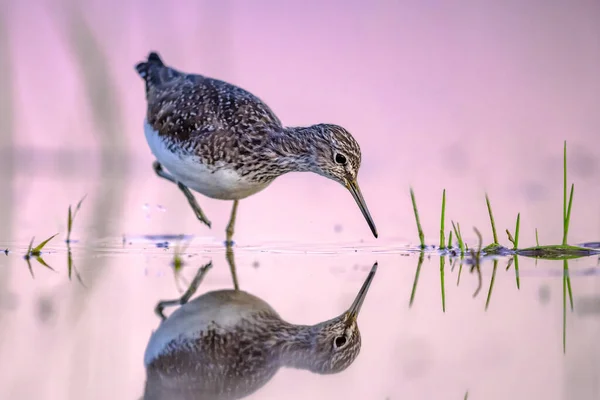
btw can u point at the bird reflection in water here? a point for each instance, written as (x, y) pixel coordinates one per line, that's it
(227, 344)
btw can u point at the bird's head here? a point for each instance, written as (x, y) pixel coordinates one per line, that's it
(337, 156)
(337, 341)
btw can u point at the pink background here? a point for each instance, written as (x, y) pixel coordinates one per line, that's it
(472, 97)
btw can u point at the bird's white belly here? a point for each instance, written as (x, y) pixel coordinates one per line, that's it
(223, 184)
(223, 308)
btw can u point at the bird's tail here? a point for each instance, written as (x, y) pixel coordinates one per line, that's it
(154, 72)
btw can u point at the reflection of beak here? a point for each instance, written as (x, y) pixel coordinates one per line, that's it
(355, 307)
(355, 190)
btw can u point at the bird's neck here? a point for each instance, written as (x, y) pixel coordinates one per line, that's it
(295, 346)
(296, 148)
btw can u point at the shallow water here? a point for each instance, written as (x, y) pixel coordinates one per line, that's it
(474, 99)
(85, 337)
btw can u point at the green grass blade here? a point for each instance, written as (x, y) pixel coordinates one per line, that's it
(414, 204)
(510, 238)
(517, 272)
(29, 248)
(449, 239)
(442, 265)
(489, 207)
(570, 292)
(564, 186)
(71, 217)
(69, 223)
(455, 231)
(458, 235)
(565, 267)
(177, 263)
(71, 267)
(568, 279)
(416, 280)
(28, 260)
(568, 217)
(510, 263)
(489, 296)
(537, 238)
(69, 263)
(79, 204)
(566, 291)
(40, 246)
(41, 261)
(442, 229)
(459, 272)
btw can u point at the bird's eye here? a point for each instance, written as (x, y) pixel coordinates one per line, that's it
(340, 341)
(340, 158)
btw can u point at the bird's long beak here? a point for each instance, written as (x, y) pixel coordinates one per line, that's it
(360, 298)
(352, 186)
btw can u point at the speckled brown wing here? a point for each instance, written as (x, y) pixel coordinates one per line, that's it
(222, 125)
(195, 111)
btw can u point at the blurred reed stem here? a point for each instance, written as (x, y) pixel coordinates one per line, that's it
(105, 106)
(7, 169)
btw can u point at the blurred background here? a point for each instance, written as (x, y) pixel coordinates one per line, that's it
(473, 97)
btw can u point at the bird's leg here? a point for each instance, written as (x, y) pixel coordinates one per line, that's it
(231, 261)
(188, 293)
(194, 204)
(188, 194)
(231, 224)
